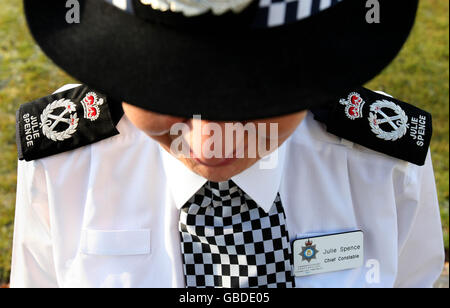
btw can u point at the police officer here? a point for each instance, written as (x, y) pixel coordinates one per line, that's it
(130, 180)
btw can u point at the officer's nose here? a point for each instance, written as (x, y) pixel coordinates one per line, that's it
(213, 141)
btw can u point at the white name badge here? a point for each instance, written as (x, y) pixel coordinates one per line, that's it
(328, 253)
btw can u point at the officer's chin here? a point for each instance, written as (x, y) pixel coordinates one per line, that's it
(218, 170)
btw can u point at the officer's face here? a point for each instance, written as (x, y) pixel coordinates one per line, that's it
(212, 151)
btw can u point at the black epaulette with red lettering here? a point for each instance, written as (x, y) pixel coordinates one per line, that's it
(380, 123)
(64, 121)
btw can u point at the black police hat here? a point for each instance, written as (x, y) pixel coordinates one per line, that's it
(258, 63)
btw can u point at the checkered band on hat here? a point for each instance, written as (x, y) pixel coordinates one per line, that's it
(271, 13)
(228, 241)
(274, 13)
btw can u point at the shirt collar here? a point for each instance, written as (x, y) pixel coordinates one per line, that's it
(262, 185)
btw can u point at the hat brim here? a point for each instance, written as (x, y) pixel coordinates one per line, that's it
(238, 76)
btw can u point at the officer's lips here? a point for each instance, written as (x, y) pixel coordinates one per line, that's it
(218, 161)
(215, 162)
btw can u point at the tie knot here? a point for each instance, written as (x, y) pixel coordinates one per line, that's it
(222, 191)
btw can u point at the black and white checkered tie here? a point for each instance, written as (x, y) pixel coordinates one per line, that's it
(228, 241)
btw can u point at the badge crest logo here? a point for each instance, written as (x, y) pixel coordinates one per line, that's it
(91, 105)
(48, 126)
(354, 105)
(395, 119)
(309, 251)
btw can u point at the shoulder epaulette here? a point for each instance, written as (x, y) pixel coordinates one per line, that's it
(65, 121)
(380, 123)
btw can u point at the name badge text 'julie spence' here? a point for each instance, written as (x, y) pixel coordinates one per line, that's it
(31, 129)
(418, 129)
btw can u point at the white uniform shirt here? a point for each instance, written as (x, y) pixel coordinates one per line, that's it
(106, 215)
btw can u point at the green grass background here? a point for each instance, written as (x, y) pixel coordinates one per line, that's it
(420, 75)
